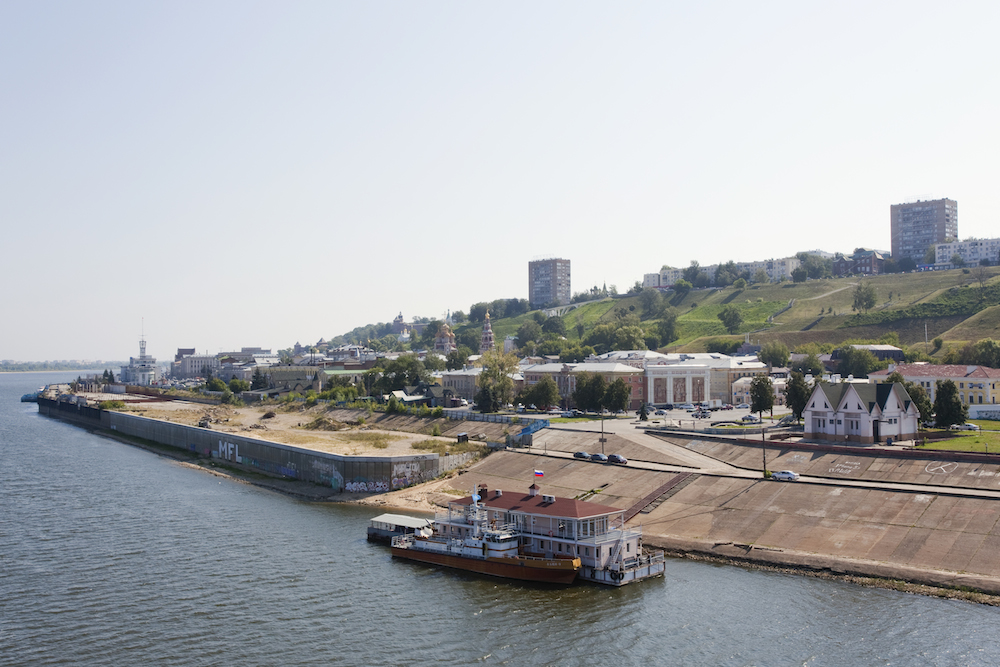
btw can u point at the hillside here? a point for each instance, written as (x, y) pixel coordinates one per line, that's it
(956, 306)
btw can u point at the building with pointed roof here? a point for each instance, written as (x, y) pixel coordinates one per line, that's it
(862, 413)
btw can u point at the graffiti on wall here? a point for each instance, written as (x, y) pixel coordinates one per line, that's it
(405, 474)
(362, 485)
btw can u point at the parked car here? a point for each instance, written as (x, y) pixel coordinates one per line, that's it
(742, 406)
(617, 458)
(684, 406)
(963, 427)
(599, 458)
(660, 412)
(727, 406)
(751, 419)
(702, 414)
(785, 476)
(581, 455)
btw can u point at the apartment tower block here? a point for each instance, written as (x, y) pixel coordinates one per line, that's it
(548, 282)
(920, 225)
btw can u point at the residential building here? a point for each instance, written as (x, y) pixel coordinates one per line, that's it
(862, 413)
(978, 386)
(549, 282)
(920, 225)
(972, 251)
(776, 270)
(863, 261)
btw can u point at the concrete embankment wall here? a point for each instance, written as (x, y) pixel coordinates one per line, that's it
(346, 473)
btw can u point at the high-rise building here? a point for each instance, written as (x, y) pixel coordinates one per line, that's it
(919, 225)
(548, 282)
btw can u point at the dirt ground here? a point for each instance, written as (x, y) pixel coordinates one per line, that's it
(350, 437)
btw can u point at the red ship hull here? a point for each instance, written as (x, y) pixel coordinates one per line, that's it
(549, 571)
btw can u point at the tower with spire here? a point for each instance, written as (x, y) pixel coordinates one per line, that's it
(487, 342)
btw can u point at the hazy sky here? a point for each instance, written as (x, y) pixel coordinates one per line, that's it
(240, 173)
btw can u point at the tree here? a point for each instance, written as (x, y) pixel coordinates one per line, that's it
(810, 365)
(530, 330)
(682, 286)
(434, 362)
(760, 277)
(774, 353)
(907, 264)
(630, 338)
(589, 392)
(864, 296)
(215, 384)
(761, 394)
(666, 328)
(797, 394)
(405, 371)
(800, 274)
(477, 312)
(259, 380)
(498, 374)
(486, 399)
(617, 396)
(948, 407)
(554, 326)
(740, 283)
(576, 354)
(731, 318)
(917, 394)
(957, 260)
(542, 394)
(856, 362)
(643, 413)
(457, 358)
(651, 300)
(238, 386)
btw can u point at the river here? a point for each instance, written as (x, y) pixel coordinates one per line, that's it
(111, 555)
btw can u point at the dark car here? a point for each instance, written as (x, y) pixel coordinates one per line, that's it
(581, 455)
(600, 458)
(617, 458)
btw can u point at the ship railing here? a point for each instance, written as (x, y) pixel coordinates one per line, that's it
(402, 541)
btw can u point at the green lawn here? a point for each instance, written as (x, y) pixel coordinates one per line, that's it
(968, 441)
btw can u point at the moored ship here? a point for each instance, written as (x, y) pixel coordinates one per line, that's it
(525, 536)
(482, 546)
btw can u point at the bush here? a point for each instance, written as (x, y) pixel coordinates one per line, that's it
(437, 412)
(112, 405)
(436, 430)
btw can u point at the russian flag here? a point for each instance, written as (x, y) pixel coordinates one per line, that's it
(539, 473)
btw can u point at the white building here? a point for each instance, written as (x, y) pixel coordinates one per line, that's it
(862, 413)
(141, 370)
(972, 251)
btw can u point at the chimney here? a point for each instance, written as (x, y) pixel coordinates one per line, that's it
(533, 490)
(498, 493)
(483, 490)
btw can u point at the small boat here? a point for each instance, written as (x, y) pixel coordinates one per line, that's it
(384, 527)
(486, 548)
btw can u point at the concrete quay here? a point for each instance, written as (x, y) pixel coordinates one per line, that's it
(913, 516)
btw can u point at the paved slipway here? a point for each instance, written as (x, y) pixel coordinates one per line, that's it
(867, 513)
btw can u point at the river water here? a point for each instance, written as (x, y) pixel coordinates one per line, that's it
(111, 555)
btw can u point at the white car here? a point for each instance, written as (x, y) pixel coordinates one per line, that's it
(964, 427)
(785, 476)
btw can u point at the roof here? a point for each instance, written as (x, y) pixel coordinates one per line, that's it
(528, 504)
(403, 520)
(871, 395)
(939, 371)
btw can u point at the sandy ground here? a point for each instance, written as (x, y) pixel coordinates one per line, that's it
(290, 427)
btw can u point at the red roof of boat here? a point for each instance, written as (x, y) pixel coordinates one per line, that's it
(539, 504)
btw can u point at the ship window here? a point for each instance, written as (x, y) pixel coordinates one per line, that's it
(586, 551)
(628, 547)
(598, 552)
(560, 546)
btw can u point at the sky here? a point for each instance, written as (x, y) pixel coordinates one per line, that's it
(226, 174)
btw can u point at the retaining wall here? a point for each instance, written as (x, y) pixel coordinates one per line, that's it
(344, 473)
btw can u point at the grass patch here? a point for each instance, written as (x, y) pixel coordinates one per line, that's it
(967, 441)
(376, 440)
(445, 448)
